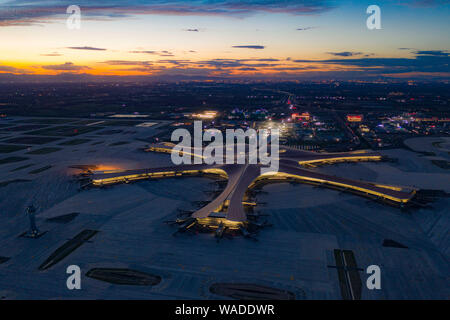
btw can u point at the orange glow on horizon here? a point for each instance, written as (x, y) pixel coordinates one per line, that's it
(105, 167)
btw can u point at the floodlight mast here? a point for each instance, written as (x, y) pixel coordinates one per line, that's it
(31, 212)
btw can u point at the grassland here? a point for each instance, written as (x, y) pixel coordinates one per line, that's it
(66, 131)
(40, 170)
(74, 142)
(32, 140)
(12, 160)
(44, 151)
(6, 148)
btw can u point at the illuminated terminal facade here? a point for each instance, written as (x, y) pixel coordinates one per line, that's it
(228, 209)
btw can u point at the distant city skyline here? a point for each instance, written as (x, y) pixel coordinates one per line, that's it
(260, 39)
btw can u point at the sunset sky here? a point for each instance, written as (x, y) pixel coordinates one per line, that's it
(229, 38)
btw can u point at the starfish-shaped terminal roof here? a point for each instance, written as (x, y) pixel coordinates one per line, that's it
(242, 177)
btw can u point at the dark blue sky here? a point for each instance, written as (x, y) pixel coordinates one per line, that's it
(261, 38)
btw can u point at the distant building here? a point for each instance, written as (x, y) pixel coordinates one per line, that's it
(305, 116)
(355, 117)
(364, 128)
(205, 115)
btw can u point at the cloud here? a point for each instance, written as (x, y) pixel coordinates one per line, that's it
(25, 12)
(424, 3)
(87, 48)
(217, 65)
(345, 54)
(127, 63)
(434, 53)
(11, 69)
(305, 28)
(204, 67)
(256, 47)
(346, 68)
(68, 66)
(424, 63)
(296, 68)
(54, 54)
(262, 60)
(255, 67)
(191, 30)
(164, 53)
(144, 51)
(175, 62)
(235, 63)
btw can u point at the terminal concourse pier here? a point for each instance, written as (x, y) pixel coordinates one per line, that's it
(227, 210)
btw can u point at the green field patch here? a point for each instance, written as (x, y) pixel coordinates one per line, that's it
(24, 128)
(22, 167)
(32, 140)
(119, 143)
(122, 123)
(6, 183)
(109, 132)
(66, 131)
(40, 170)
(6, 148)
(74, 142)
(441, 164)
(12, 159)
(437, 144)
(48, 120)
(44, 151)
